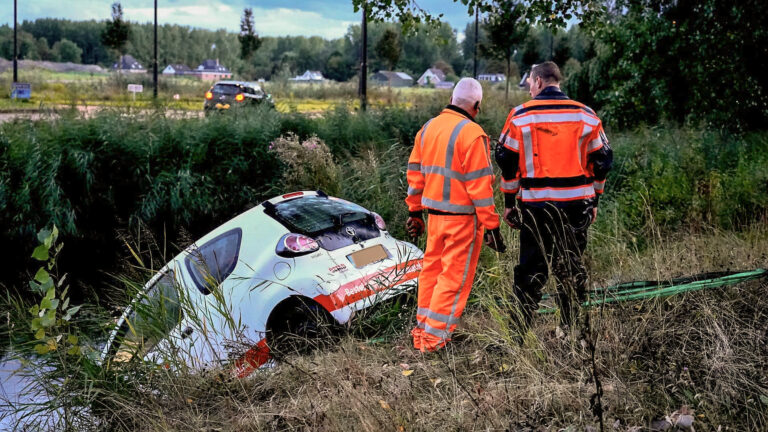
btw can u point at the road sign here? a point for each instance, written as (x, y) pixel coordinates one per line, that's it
(135, 88)
(21, 90)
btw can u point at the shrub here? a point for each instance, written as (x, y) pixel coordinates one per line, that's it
(307, 165)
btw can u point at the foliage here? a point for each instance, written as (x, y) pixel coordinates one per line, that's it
(506, 30)
(702, 62)
(307, 164)
(249, 40)
(116, 32)
(51, 316)
(66, 51)
(388, 48)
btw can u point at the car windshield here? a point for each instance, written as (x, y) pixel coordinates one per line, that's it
(314, 214)
(226, 89)
(151, 320)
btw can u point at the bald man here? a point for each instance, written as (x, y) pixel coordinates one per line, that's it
(450, 176)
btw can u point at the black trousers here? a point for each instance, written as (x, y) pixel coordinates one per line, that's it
(552, 238)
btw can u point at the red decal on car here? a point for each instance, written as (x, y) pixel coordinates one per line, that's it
(253, 359)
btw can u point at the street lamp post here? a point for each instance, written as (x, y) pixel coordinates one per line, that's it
(364, 62)
(154, 62)
(15, 46)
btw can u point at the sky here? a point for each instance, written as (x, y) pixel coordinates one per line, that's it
(326, 18)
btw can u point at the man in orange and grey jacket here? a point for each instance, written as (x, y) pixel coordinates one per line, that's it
(451, 177)
(554, 157)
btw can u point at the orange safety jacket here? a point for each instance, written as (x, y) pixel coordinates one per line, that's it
(553, 149)
(450, 168)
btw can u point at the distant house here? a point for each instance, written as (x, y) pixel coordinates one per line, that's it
(492, 77)
(128, 64)
(177, 69)
(393, 79)
(444, 85)
(431, 76)
(211, 70)
(309, 77)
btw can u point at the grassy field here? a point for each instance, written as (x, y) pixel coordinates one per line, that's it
(680, 201)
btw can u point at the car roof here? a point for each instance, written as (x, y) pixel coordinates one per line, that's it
(240, 83)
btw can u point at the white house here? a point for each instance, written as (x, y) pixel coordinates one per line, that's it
(309, 77)
(492, 77)
(176, 69)
(431, 76)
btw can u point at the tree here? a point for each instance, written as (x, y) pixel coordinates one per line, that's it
(116, 33)
(388, 48)
(67, 51)
(249, 40)
(555, 13)
(506, 29)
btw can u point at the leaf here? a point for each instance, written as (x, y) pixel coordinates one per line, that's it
(41, 349)
(35, 287)
(74, 350)
(42, 275)
(36, 324)
(72, 339)
(504, 367)
(51, 293)
(40, 334)
(48, 319)
(70, 312)
(46, 303)
(52, 345)
(34, 310)
(385, 405)
(764, 399)
(40, 253)
(436, 381)
(43, 235)
(66, 303)
(407, 372)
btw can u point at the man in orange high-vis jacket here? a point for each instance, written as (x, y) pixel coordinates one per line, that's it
(554, 157)
(451, 176)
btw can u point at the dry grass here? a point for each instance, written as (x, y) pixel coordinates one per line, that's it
(706, 350)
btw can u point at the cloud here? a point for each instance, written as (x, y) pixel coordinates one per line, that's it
(268, 22)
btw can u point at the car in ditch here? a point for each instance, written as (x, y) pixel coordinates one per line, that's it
(228, 95)
(278, 268)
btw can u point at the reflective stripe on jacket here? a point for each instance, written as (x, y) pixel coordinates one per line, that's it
(548, 149)
(450, 168)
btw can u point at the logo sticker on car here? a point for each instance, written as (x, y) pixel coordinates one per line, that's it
(350, 231)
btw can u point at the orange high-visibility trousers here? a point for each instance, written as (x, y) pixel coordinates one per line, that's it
(448, 269)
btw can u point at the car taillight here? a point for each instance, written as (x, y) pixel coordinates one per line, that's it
(240, 97)
(291, 245)
(379, 222)
(208, 95)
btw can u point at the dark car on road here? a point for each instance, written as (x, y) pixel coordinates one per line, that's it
(227, 95)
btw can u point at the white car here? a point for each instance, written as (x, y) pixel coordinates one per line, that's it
(224, 300)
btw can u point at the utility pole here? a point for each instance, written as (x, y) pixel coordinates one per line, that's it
(154, 62)
(363, 91)
(477, 20)
(15, 46)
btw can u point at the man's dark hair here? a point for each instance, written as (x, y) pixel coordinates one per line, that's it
(547, 71)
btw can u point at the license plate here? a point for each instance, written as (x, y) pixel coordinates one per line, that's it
(367, 256)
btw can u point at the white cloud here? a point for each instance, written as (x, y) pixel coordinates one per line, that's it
(269, 22)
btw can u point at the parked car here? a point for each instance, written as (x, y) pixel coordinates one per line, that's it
(227, 95)
(277, 268)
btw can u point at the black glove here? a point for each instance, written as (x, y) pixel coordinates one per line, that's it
(494, 241)
(415, 225)
(512, 217)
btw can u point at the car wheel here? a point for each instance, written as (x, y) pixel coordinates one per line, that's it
(299, 326)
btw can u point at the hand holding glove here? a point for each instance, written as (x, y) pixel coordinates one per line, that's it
(415, 225)
(493, 240)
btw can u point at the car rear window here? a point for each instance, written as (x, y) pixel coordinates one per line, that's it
(226, 89)
(314, 214)
(212, 262)
(151, 320)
